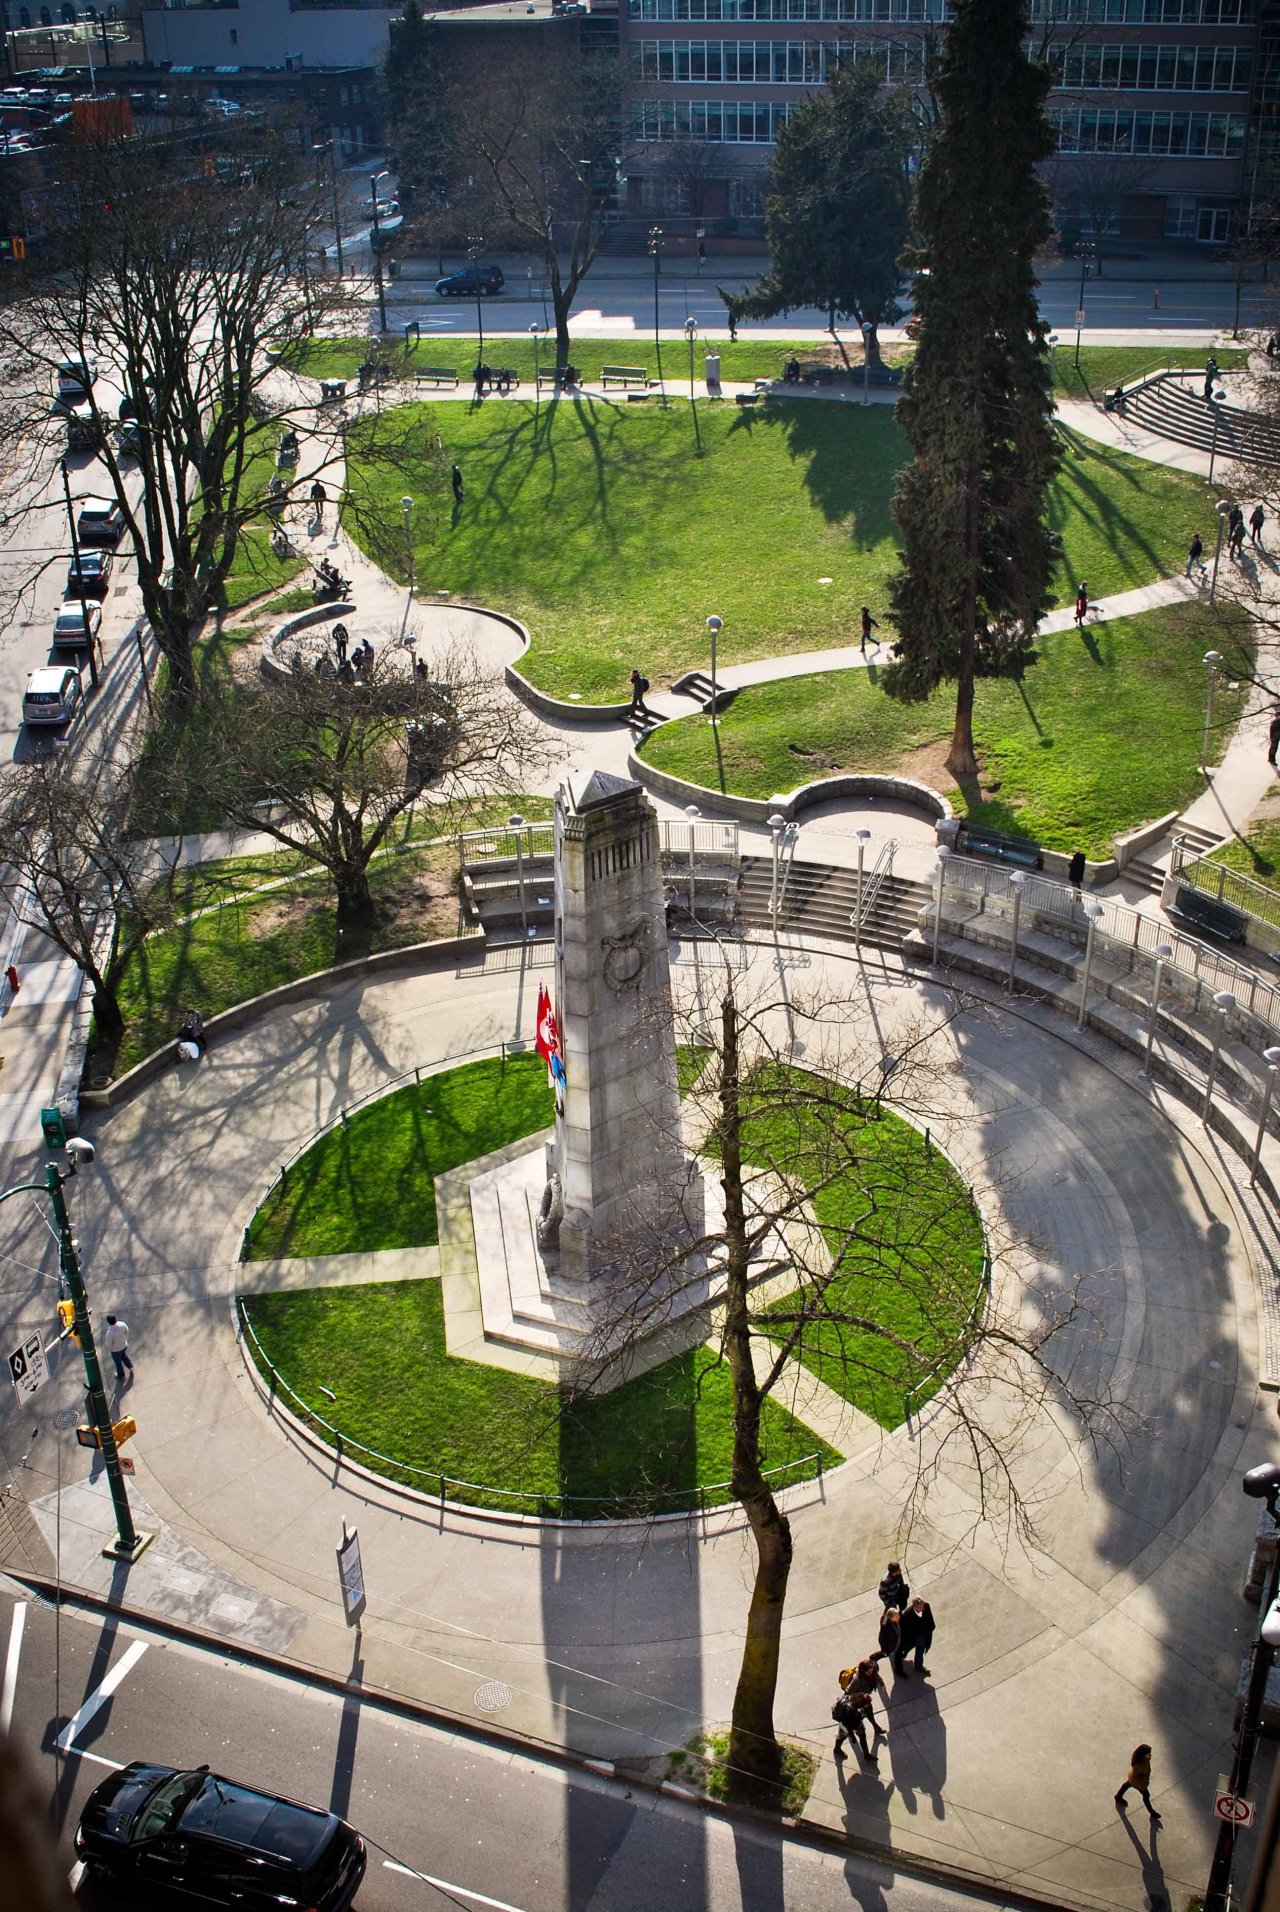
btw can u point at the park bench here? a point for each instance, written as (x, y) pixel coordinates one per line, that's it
(1207, 914)
(747, 398)
(624, 375)
(332, 391)
(1021, 852)
(548, 378)
(435, 375)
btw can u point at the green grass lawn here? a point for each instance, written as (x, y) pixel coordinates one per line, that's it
(1103, 734)
(255, 934)
(742, 361)
(613, 539)
(256, 568)
(380, 1349)
(368, 1183)
(645, 1448)
(1103, 367)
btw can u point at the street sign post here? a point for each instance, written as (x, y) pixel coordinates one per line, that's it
(351, 1576)
(28, 1369)
(1234, 1810)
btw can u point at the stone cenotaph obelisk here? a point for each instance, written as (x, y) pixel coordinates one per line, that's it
(618, 1175)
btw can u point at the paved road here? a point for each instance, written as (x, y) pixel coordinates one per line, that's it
(475, 1823)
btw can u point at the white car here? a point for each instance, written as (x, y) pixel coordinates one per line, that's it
(69, 626)
(52, 696)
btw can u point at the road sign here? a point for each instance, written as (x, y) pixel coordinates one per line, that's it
(127, 1465)
(28, 1369)
(351, 1575)
(1236, 1811)
(1080, 316)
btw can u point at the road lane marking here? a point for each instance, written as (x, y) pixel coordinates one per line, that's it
(100, 1695)
(9, 1691)
(443, 1885)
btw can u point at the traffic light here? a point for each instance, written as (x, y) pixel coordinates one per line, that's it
(123, 1430)
(67, 1320)
(18, 246)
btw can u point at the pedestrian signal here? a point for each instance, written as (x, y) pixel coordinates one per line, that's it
(18, 246)
(123, 1431)
(88, 1436)
(67, 1320)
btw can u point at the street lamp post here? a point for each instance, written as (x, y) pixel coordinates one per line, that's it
(1215, 401)
(475, 247)
(1016, 883)
(777, 824)
(1212, 659)
(691, 333)
(1260, 1483)
(377, 252)
(868, 333)
(537, 389)
(1272, 1058)
(1223, 510)
(129, 1542)
(75, 565)
(862, 836)
(715, 625)
(943, 854)
(406, 505)
(517, 824)
(655, 253)
(333, 183)
(1094, 912)
(1084, 273)
(1163, 952)
(1224, 1002)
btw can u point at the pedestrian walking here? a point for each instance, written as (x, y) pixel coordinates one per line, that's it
(341, 638)
(1082, 604)
(319, 499)
(1257, 518)
(917, 1632)
(1140, 1779)
(1195, 554)
(1273, 737)
(484, 377)
(1235, 531)
(853, 1709)
(117, 1340)
(639, 685)
(890, 1643)
(869, 624)
(1075, 869)
(893, 1589)
(456, 478)
(733, 326)
(1210, 373)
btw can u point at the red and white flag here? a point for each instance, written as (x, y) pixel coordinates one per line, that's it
(547, 1044)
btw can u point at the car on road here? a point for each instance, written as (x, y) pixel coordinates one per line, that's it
(467, 281)
(69, 626)
(52, 695)
(75, 376)
(101, 521)
(84, 431)
(169, 1837)
(90, 575)
(129, 438)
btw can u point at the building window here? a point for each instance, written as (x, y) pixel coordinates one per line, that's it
(883, 12)
(735, 122)
(235, 37)
(1155, 135)
(1146, 13)
(24, 16)
(1153, 69)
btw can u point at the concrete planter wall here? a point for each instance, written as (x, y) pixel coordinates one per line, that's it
(790, 804)
(301, 621)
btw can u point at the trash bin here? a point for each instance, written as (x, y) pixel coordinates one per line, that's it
(711, 370)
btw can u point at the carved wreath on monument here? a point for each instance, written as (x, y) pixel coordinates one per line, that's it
(625, 957)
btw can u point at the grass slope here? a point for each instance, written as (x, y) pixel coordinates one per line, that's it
(615, 533)
(1103, 734)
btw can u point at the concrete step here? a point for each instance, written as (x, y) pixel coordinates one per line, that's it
(1177, 409)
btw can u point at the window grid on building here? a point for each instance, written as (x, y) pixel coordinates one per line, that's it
(729, 122)
(1146, 13)
(884, 12)
(1153, 69)
(769, 62)
(1160, 135)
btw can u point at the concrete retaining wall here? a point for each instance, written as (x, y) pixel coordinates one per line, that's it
(789, 804)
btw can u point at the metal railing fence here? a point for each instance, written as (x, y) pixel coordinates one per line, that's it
(1234, 887)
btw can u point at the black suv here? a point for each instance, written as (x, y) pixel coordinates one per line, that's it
(468, 280)
(166, 1837)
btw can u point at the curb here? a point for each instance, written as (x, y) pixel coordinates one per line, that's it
(791, 803)
(811, 1830)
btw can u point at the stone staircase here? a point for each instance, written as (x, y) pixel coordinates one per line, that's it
(1149, 873)
(1173, 406)
(821, 900)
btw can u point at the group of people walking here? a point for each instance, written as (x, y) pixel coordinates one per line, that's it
(1235, 537)
(906, 1626)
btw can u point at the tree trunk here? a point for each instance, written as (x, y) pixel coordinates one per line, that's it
(836, 339)
(355, 898)
(962, 760)
(106, 1011)
(871, 347)
(755, 1757)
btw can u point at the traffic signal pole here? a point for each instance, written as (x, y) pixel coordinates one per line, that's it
(129, 1542)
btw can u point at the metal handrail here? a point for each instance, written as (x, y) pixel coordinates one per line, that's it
(1247, 893)
(872, 885)
(346, 1445)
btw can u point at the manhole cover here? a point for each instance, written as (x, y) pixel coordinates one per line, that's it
(493, 1697)
(64, 1418)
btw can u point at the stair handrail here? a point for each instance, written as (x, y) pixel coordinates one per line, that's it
(872, 885)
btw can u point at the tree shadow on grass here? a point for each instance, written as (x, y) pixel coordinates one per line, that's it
(850, 458)
(1101, 504)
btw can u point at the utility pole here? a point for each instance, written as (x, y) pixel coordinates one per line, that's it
(75, 565)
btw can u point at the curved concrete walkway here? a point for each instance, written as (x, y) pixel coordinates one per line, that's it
(1116, 1628)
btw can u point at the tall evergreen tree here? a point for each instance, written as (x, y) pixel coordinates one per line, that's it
(977, 554)
(837, 213)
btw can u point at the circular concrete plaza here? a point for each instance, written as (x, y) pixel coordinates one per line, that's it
(1120, 1622)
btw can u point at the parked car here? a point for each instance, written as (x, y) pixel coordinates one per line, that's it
(129, 438)
(75, 376)
(190, 1838)
(52, 695)
(90, 575)
(387, 208)
(84, 431)
(101, 521)
(69, 625)
(469, 280)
